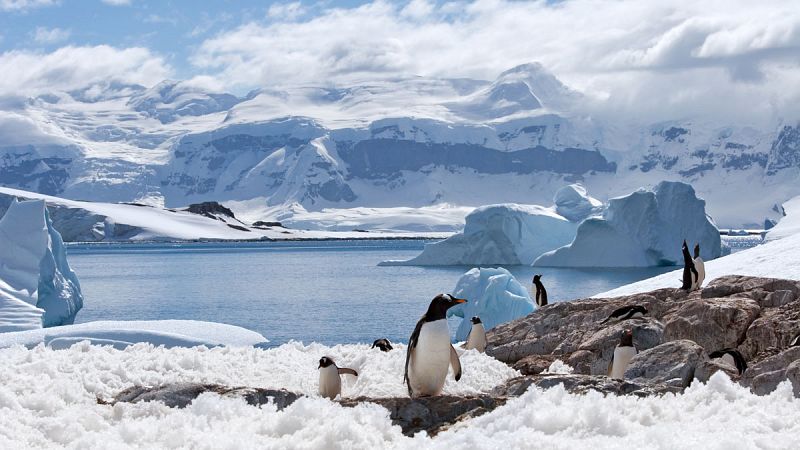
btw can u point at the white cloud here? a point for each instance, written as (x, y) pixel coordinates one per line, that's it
(117, 2)
(24, 5)
(674, 56)
(30, 73)
(44, 35)
(286, 11)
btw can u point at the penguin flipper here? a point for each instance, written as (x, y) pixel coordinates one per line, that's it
(346, 371)
(455, 363)
(412, 343)
(610, 365)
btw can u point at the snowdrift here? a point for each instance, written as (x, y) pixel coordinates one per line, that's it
(121, 334)
(34, 270)
(642, 229)
(494, 295)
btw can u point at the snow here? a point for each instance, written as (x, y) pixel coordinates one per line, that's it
(120, 334)
(788, 225)
(499, 234)
(119, 222)
(494, 295)
(34, 270)
(573, 203)
(49, 400)
(642, 229)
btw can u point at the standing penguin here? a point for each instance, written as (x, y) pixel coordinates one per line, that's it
(623, 354)
(477, 336)
(700, 266)
(689, 271)
(541, 292)
(429, 350)
(330, 383)
(731, 357)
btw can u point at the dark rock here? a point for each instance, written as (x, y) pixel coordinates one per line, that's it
(714, 323)
(764, 376)
(581, 384)
(534, 364)
(706, 368)
(180, 395)
(210, 210)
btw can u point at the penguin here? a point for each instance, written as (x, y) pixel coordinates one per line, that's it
(383, 344)
(626, 312)
(623, 354)
(477, 336)
(700, 265)
(689, 271)
(541, 292)
(730, 357)
(330, 382)
(795, 341)
(429, 350)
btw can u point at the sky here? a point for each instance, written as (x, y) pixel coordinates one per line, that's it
(737, 59)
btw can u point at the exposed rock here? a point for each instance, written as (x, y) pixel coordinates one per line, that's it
(431, 414)
(764, 376)
(714, 323)
(180, 395)
(580, 384)
(210, 209)
(709, 367)
(757, 316)
(672, 363)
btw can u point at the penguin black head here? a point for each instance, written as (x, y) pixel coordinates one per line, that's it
(537, 278)
(325, 362)
(476, 320)
(383, 344)
(626, 340)
(697, 250)
(439, 305)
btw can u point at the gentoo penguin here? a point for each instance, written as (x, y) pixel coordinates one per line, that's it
(383, 344)
(689, 271)
(330, 384)
(429, 350)
(541, 292)
(626, 312)
(732, 358)
(700, 266)
(477, 336)
(622, 356)
(795, 341)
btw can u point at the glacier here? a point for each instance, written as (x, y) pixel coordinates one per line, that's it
(34, 270)
(642, 229)
(494, 295)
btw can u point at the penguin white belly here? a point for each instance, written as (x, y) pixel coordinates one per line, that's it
(700, 266)
(637, 315)
(477, 338)
(330, 385)
(430, 359)
(622, 357)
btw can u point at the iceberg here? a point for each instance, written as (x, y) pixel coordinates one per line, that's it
(494, 295)
(573, 203)
(642, 229)
(499, 234)
(34, 271)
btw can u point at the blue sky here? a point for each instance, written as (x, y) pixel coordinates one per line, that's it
(171, 28)
(667, 57)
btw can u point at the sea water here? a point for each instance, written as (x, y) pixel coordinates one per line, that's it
(321, 291)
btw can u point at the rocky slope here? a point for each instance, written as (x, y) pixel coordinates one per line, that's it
(757, 316)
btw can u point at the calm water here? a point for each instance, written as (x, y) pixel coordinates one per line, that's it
(329, 292)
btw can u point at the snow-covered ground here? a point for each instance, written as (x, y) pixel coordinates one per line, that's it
(155, 223)
(779, 257)
(49, 399)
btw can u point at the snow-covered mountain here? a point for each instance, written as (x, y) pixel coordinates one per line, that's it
(408, 142)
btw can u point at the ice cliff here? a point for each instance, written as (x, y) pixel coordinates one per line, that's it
(37, 287)
(644, 228)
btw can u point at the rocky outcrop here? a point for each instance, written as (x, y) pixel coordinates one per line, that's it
(757, 316)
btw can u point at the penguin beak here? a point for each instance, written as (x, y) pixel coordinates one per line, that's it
(458, 300)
